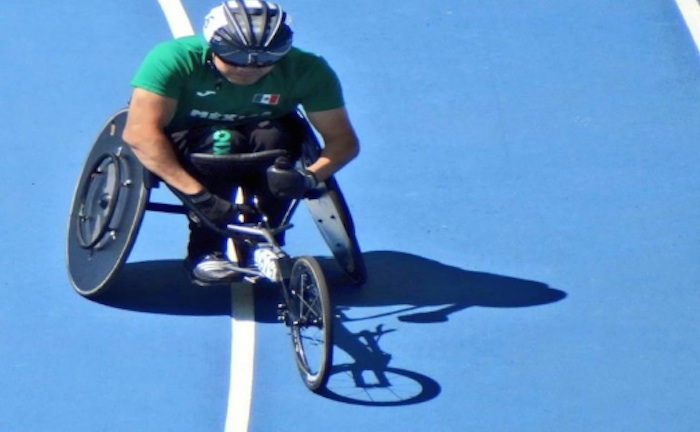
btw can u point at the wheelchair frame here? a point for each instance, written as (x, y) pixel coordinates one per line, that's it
(113, 193)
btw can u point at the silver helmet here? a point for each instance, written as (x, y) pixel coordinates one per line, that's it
(248, 32)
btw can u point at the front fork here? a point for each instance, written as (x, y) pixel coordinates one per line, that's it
(285, 267)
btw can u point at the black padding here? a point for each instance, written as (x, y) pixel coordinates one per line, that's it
(107, 209)
(234, 166)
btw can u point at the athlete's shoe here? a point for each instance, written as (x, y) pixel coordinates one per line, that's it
(266, 261)
(212, 269)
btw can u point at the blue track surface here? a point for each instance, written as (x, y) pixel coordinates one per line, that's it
(527, 198)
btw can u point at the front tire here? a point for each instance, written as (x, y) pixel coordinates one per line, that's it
(310, 319)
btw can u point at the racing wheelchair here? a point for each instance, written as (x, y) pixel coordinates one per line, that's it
(113, 193)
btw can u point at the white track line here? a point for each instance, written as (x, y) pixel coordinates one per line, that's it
(240, 390)
(177, 18)
(690, 9)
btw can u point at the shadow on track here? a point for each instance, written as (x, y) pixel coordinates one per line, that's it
(413, 290)
(163, 287)
(397, 278)
(424, 291)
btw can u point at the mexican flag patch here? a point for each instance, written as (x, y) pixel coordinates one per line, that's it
(266, 98)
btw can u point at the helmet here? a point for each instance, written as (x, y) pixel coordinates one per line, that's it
(248, 32)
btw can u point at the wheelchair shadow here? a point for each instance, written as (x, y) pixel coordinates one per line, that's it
(163, 287)
(413, 290)
(395, 279)
(405, 287)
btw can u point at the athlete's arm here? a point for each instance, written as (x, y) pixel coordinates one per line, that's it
(339, 139)
(148, 115)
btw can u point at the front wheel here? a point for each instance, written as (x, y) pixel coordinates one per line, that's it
(310, 318)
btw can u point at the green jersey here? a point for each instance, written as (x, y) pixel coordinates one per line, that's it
(181, 69)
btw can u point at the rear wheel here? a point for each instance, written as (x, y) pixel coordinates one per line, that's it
(309, 317)
(332, 217)
(107, 209)
(331, 213)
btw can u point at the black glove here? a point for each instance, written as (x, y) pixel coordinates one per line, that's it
(219, 211)
(287, 182)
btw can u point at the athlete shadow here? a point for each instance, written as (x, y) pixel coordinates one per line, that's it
(163, 287)
(413, 290)
(397, 278)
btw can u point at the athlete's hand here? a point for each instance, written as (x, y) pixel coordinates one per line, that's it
(287, 182)
(218, 210)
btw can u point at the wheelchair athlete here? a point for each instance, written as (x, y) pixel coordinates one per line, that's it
(234, 89)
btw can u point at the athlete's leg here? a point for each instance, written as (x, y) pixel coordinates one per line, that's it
(271, 135)
(206, 258)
